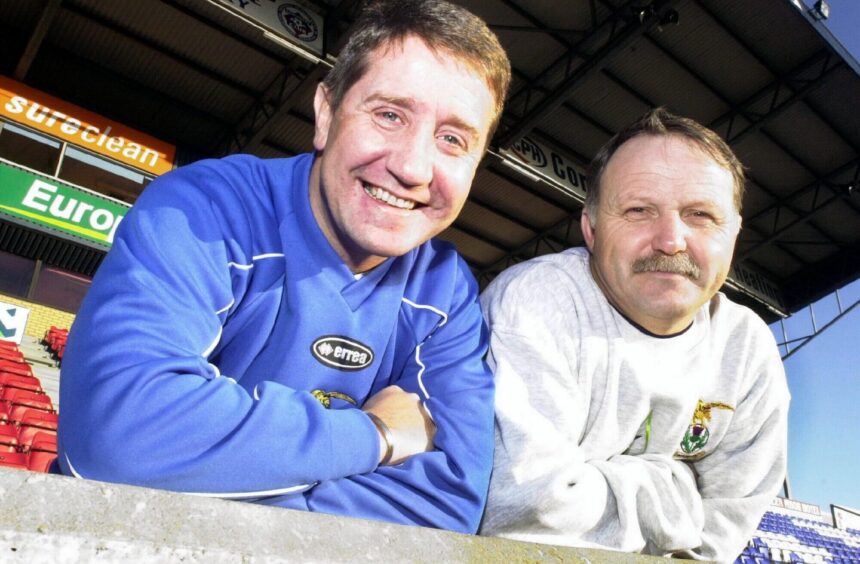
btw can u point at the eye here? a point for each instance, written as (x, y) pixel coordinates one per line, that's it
(388, 115)
(700, 217)
(453, 140)
(635, 212)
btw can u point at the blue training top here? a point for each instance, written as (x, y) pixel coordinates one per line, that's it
(222, 306)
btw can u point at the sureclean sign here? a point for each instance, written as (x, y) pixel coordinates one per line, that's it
(38, 110)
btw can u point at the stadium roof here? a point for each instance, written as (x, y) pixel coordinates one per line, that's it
(766, 75)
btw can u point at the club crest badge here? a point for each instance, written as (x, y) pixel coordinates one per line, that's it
(697, 434)
(298, 22)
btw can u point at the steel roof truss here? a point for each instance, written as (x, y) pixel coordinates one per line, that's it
(610, 38)
(49, 13)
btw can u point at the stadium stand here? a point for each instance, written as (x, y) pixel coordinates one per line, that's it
(783, 536)
(28, 420)
(55, 341)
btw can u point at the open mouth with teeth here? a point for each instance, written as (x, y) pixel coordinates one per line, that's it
(384, 196)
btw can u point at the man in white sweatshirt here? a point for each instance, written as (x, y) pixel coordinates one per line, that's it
(637, 408)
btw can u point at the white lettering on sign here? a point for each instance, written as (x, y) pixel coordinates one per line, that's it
(90, 134)
(43, 197)
(548, 164)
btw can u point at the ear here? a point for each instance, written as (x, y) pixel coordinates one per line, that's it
(587, 229)
(322, 114)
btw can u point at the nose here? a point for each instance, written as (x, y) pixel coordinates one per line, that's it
(411, 157)
(670, 234)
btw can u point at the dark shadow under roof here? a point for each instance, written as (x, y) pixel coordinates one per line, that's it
(765, 75)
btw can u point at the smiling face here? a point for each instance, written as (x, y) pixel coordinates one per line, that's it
(397, 157)
(665, 231)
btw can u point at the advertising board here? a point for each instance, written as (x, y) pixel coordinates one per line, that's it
(57, 207)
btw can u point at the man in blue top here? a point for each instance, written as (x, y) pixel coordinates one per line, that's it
(286, 331)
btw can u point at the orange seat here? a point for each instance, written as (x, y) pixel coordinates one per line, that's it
(40, 461)
(14, 460)
(15, 367)
(30, 383)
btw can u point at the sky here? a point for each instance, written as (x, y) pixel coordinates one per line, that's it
(824, 376)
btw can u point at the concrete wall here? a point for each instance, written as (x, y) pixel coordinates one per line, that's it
(47, 518)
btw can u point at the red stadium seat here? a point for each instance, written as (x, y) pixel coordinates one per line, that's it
(15, 397)
(37, 418)
(57, 340)
(8, 438)
(8, 345)
(45, 441)
(40, 461)
(15, 367)
(13, 355)
(14, 460)
(53, 334)
(31, 437)
(30, 383)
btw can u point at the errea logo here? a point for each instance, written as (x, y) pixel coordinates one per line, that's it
(341, 353)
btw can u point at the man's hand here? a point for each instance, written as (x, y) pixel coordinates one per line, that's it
(411, 428)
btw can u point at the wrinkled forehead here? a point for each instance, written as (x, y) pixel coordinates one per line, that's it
(444, 55)
(648, 152)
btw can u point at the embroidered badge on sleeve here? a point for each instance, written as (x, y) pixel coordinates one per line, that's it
(697, 434)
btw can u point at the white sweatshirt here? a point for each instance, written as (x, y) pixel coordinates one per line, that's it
(609, 437)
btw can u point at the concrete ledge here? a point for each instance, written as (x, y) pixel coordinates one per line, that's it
(48, 518)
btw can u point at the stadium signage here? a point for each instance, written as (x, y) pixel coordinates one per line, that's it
(59, 207)
(548, 164)
(290, 19)
(13, 320)
(758, 287)
(79, 127)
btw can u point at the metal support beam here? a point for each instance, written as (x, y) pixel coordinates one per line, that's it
(820, 279)
(752, 52)
(162, 49)
(816, 331)
(283, 92)
(799, 83)
(221, 29)
(49, 13)
(84, 66)
(815, 207)
(280, 97)
(529, 249)
(763, 119)
(612, 37)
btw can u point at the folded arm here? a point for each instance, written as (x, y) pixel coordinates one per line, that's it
(546, 488)
(141, 402)
(445, 488)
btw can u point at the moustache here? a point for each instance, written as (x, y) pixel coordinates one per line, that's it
(680, 263)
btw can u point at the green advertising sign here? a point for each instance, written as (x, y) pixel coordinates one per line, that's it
(59, 207)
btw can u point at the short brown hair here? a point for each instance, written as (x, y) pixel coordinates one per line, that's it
(441, 25)
(660, 121)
